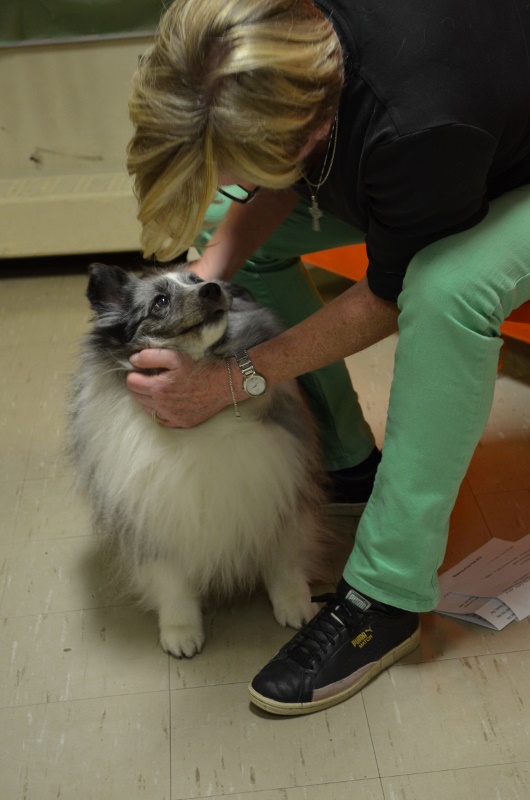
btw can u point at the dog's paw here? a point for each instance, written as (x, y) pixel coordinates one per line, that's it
(294, 611)
(182, 641)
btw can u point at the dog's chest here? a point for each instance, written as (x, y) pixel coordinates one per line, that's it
(229, 468)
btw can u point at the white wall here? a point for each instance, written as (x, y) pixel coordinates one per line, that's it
(63, 133)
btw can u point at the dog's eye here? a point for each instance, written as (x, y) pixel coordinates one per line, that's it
(160, 302)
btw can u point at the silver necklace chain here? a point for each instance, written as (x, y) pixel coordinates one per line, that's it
(314, 208)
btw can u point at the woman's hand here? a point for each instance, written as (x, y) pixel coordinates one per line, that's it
(182, 396)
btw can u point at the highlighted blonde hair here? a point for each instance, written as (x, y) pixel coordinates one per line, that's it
(235, 86)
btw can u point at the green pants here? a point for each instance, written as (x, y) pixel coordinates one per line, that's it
(456, 294)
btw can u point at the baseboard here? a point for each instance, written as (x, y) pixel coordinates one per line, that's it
(67, 214)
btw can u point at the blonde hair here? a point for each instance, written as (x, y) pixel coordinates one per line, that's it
(228, 85)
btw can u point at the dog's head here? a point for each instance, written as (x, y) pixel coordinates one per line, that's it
(174, 309)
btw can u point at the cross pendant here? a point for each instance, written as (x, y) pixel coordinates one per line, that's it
(315, 212)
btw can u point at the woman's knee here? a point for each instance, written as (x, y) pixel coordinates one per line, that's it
(442, 285)
(485, 268)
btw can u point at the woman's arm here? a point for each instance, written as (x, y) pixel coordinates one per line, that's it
(348, 324)
(243, 230)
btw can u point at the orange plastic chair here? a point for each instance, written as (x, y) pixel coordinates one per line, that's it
(351, 262)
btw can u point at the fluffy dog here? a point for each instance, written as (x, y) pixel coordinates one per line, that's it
(212, 509)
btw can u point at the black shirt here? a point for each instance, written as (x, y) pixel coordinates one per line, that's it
(434, 121)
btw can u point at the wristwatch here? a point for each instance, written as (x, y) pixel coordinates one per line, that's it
(254, 384)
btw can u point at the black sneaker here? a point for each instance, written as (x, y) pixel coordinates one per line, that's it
(350, 488)
(350, 641)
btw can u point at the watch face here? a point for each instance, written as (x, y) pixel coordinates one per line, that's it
(255, 385)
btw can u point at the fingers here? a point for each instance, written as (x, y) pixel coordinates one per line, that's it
(157, 358)
(140, 385)
(182, 395)
(150, 390)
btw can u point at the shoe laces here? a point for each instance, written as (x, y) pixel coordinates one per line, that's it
(313, 642)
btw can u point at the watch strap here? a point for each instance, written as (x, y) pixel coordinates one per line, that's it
(244, 363)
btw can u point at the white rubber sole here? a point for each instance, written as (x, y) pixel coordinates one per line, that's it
(293, 709)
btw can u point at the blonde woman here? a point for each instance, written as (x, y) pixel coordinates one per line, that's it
(287, 126)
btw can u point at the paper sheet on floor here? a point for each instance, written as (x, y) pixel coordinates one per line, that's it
(490, 587)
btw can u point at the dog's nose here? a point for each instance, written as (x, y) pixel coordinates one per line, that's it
(210, 291)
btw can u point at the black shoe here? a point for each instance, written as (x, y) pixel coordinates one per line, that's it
(335, 654)
(350, 488)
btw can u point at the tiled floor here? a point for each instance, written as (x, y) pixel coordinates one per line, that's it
(90, 707)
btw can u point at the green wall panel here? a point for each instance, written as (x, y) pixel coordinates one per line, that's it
(28, 21)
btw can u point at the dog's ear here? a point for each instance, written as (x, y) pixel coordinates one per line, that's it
(236, 290)
(106, 287)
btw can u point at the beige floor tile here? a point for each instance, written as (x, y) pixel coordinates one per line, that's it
(350, 790)
(239, 641)
(497, 782)
(274, 794)
(22, 376)
(20, 302)
(10, 492)
(445, 638)
(45, 457)
(32, 425)
(43, 310)
(14, 452)
(55, 575)
(371, 374)
(114, 748)
(456, 714)
(19, 387)
(5, 551)
(220, 746)
(79, 654)
(33, 396)
(50, 508)
(47, 454)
